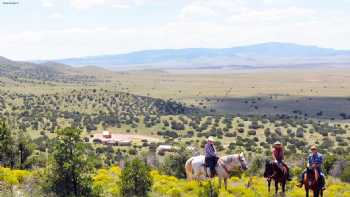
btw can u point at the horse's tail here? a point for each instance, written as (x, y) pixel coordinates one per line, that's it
(188, 168)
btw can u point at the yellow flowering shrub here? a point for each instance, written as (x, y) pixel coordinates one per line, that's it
(13, 177)
(106, 181)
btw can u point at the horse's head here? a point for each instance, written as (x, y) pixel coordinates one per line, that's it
(242, 161)
(268, 169)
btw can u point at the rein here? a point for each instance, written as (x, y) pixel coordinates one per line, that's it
(224, 166)
(222, 163)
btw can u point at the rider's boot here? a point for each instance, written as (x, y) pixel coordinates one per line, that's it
(212, 173)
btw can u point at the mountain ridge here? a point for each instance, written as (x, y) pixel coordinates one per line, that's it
(22, 71)
(258, 55)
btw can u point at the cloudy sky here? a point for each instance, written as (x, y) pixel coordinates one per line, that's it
(49, 29)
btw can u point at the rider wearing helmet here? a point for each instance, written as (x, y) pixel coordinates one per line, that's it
(315, 160)
(210, 156)
(278, 156)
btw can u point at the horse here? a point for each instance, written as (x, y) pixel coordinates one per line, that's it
(196, 169)
(312, 181)
(276, 173)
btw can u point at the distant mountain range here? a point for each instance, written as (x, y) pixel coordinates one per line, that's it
(272, 54)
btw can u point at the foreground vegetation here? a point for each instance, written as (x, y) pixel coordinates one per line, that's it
(74, 168)
(109, 182)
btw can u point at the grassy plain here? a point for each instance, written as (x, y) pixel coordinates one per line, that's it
(274, 91)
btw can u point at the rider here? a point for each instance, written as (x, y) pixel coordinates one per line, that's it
(315, 160)
(210, 156)
(278, 156)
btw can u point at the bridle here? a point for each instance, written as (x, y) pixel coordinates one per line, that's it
(241, 162)
(222, 163)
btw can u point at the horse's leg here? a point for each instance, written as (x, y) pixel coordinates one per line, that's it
(269, 185)
(307, 192)
(198, 178)
(276, 186)
(225, 182)
(219, 182)
(316, 193)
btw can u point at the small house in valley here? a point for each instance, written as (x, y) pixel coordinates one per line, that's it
(109, 138)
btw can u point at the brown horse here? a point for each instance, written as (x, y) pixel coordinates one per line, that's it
(312, 181)
(279, 174)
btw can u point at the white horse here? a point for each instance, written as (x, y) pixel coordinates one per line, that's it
(195, 167)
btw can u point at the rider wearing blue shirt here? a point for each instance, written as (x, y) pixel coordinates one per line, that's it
(211, 157)
(315, 160)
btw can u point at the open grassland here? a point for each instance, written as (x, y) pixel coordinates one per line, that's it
(283, 91)
(168, 122)
(282, 105)
(305, 82)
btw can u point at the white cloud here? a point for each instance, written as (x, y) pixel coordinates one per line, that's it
(47, 3)
(88, 4)
(120, 6)
(273, 15)
(201, 23)
(193, 11)
(177, 34)
(56, 15)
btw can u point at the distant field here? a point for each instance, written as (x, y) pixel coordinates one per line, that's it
(325, 83)
(282, 91)
(245, 111)
(328, 108)
(305, 82)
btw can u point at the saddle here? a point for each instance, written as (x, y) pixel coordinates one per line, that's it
(206, 167)
(282, 167)
(312, 175)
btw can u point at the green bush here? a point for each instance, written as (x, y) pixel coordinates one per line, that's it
(345, 176)
(174, 163)
(70, 169)
(136, 179)
(209, 189)
(328, 163)
(296, 171)
(251, 132)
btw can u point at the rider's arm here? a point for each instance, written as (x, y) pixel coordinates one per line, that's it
(282, 154)
(273, 154)
(208, 151)
(321, 159)
(309, 162)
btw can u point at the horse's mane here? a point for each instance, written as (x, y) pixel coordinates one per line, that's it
(230, 158)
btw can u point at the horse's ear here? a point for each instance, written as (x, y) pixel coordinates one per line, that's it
(241, 154)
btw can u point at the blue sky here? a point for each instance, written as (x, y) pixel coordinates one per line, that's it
(49, 29)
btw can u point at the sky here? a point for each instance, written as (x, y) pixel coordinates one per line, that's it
(53, 29)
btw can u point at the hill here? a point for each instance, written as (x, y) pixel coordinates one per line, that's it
(49, 71)
(272, 54)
